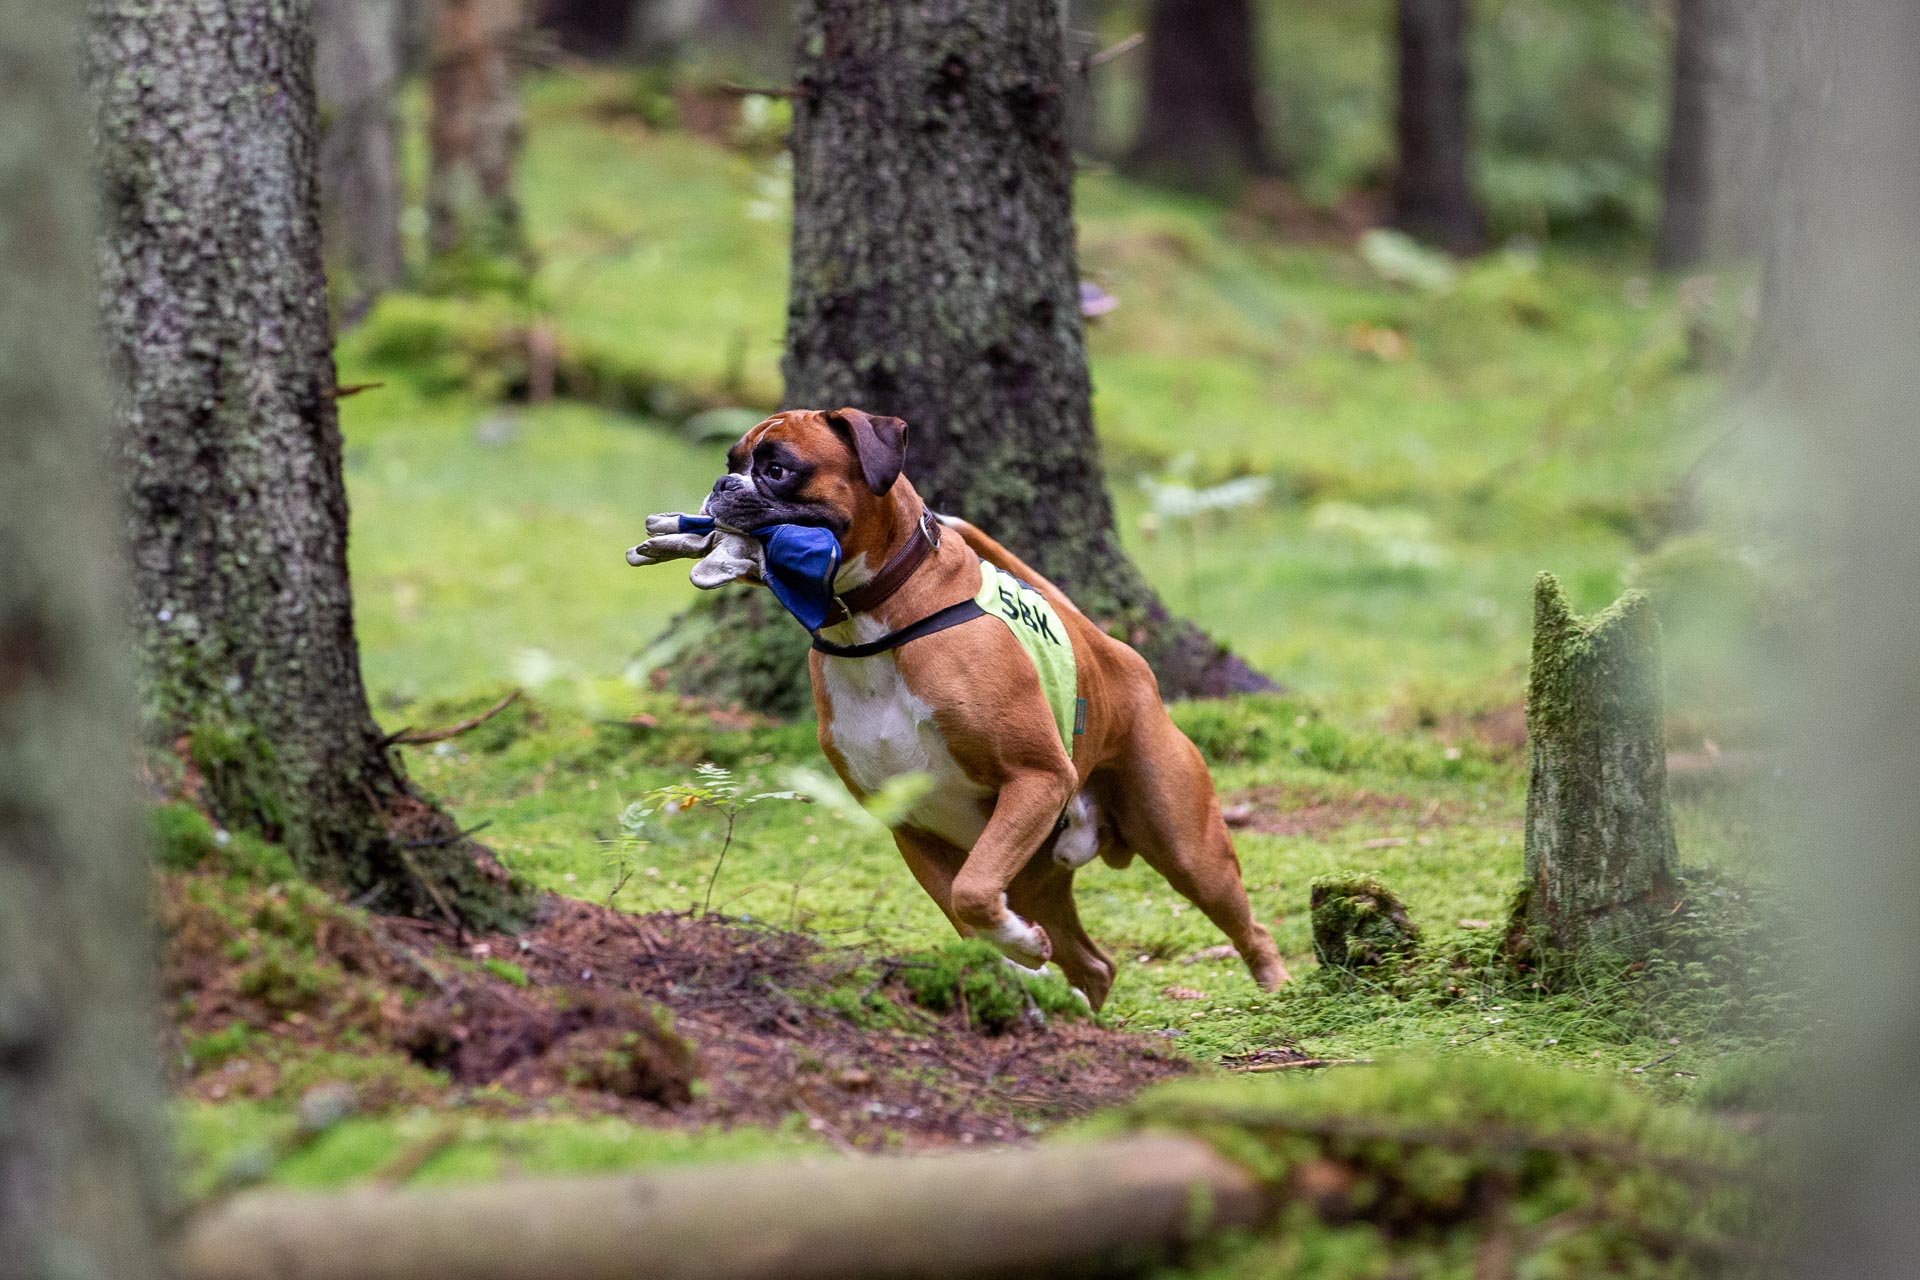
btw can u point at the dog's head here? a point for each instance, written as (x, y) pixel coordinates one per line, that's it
(833, 469)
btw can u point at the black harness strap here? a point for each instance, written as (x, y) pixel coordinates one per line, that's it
(951, 616)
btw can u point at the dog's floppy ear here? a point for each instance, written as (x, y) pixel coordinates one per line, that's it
(879, 443)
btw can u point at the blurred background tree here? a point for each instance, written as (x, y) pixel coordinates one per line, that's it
(1202, 124)
(357, 76)
(1433, 197)
(474, 129)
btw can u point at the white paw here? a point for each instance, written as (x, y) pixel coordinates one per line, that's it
(1021, 941)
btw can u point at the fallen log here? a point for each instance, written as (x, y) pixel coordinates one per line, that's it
(1058, 1210)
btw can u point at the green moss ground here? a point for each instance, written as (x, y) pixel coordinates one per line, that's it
(1534, 416)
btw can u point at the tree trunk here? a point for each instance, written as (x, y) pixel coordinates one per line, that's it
(1686, 223)
(1201, 128)
(934, 279)
(357, 72)
(1432, 191)
(215, 305)
(82, 1158)
(1599, 847)
(473, 129)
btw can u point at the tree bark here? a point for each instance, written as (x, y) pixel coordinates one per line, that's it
(1686, 223)
(357, 73)
(1433, 196)
(82, 1158)
(215, 307)
(473, 129)
(1065, 1210)
(1600, 852)
(934, 279)
(1201, 128)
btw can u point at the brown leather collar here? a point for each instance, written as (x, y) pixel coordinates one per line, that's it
(893, 575)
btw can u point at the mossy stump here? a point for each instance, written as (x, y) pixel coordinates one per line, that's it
(1600, 852)
(1359, 924)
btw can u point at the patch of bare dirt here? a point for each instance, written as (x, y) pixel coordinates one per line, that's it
(1281, 810)
(664, 1019)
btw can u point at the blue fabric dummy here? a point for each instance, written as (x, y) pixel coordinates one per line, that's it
(801, 561)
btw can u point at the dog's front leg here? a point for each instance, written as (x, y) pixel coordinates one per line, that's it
(1024, 815)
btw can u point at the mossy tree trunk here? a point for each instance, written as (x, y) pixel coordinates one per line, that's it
(473, 129)
(1433, 196)
(357, 72)
(215, 307)
(82, 1158)
(1600, 856)
(1201, 126)
(1686, 219)
(934, 278)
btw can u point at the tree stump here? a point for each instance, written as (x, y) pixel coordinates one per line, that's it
(1600, 852)
(1359, 924)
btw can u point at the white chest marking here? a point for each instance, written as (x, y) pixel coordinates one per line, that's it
(883, 732)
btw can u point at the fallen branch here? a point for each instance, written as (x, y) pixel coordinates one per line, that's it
(1062, 1209)
(411, 738)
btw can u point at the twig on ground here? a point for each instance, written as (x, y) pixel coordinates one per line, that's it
(441, 842)
(413, 1157)
(439, 899)
(1304, 1064)
(1118, 49)
(731, 89)
(412, 738)
(820, 1125)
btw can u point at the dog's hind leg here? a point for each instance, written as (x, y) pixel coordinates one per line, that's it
(1168, 814)
(1044, 894)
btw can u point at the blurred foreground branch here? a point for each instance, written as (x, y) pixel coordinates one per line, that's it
(1059, 1210)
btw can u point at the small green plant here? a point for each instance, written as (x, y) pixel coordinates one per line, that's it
(1174, 496)
(713, 788)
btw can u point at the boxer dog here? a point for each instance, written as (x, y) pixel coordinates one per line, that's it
(907, 680)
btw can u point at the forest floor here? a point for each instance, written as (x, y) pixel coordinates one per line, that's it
(1431, 443)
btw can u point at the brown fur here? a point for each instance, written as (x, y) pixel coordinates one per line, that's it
(1152, 789)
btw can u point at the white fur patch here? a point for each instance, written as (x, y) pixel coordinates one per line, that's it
(883, 732)
(1080, 842)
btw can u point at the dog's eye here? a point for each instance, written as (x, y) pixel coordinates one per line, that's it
(774, 472)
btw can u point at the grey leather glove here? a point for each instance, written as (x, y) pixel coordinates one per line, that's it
(723, 556)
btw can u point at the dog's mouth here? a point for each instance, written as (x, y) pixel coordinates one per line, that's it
(744, 508)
